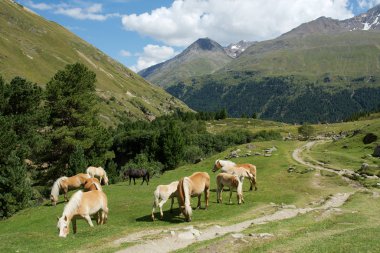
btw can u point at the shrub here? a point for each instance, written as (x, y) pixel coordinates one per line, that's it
(306, 130)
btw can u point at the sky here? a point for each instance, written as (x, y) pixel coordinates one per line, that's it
(141, 33)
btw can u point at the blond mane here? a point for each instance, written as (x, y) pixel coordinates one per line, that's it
(73, 203)
(57, 186)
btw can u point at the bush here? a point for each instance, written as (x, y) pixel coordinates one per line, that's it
(265, 135)
(306, 130)
(192, 154)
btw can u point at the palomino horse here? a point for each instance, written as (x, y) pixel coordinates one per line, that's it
(164, 192)
(82, 205)
(137, 173)
(225, 165)
(92, 184)
(233, 182)
(65, 184)
(192, 186)
(98, 172)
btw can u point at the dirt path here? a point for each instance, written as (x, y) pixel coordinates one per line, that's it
(179, 238)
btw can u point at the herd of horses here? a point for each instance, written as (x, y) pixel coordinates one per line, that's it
(93, 201)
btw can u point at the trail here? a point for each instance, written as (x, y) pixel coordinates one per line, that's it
(179, 238)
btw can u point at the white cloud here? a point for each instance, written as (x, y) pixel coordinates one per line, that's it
(125, 53)
(228, 21)
(152, 55)
(85, 10)
(38, 6)
(368, 3)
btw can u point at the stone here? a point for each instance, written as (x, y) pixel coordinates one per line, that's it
(237, 235)
(364, 166)
(376, 151)
(172, 233)
(369, 138)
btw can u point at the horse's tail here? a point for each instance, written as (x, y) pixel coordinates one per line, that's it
(186, 193)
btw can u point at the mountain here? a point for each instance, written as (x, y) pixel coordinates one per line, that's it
(235, 49)
(324, 70)
(35, 49)
(204, 56)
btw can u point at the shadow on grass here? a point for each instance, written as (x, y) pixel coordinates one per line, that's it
(171, 217)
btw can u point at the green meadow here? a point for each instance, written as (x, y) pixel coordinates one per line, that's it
(354, 227)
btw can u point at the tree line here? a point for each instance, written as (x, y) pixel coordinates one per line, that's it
(53, 132)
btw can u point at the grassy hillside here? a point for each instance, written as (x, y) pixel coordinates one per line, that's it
(34, 229)
(35, 49)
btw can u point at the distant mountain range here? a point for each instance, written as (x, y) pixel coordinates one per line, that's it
(35, 48)
(323, 70)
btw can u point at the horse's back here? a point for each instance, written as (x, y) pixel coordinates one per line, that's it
(199, 181)
(94, 201)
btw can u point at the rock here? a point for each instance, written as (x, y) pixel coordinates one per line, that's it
(237, 236)
(265, 235)
(364, 166)
(195, 232)
(376, 152)
(172, 233)
(288, 206)
(257, 153)
(345, 146)
(267, 155)
(250, 146)
(369, 138)
(189, 227)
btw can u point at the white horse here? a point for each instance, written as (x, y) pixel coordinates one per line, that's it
(82, 205)
(230, 167)
(231, 181)
(164, 192)
(99, 172)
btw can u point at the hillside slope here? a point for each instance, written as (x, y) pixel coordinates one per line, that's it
(35, 49)
(204, 56)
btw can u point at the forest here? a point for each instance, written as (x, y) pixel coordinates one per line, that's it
(55, 131)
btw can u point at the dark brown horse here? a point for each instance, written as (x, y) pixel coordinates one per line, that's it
(137, 173)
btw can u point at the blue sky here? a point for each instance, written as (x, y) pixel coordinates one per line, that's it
(140, 33)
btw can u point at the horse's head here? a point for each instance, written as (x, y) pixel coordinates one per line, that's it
(53, 200)
(217, 166)
(63, 226)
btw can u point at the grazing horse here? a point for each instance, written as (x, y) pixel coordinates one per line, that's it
(65, 184)
(164, 192)
(225, 165)
(82, 205)
(92, 184)
(137, 173)
(192, 186)
(233, 182)
(99, 172)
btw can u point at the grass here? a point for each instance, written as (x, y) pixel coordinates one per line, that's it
(34, 229)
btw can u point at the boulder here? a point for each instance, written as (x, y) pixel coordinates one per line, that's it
(369, 138)
(376, 152)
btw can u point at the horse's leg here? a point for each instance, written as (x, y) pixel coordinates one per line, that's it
(88, 219)
(74, 225)
(134, 181)
(251, 182)
(199, 201)
(171, 206)
(207, 196)
(162, 202)
(130, 179)
(143, 180)
(98, 218)
(230, 195)
(255, 182)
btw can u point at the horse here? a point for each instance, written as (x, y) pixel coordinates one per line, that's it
(99, 172)
(92, 184)
(192, 186)
(224, 165)
(65, 184)
(82, 205)
(137, 173)
(233, 182)
(164, 192)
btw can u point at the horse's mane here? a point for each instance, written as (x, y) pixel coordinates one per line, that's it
(97, 186)
(57, 186)
(181, 194)
(225, 163)
(73, 204)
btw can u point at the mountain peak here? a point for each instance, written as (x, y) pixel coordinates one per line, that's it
(205, 44)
